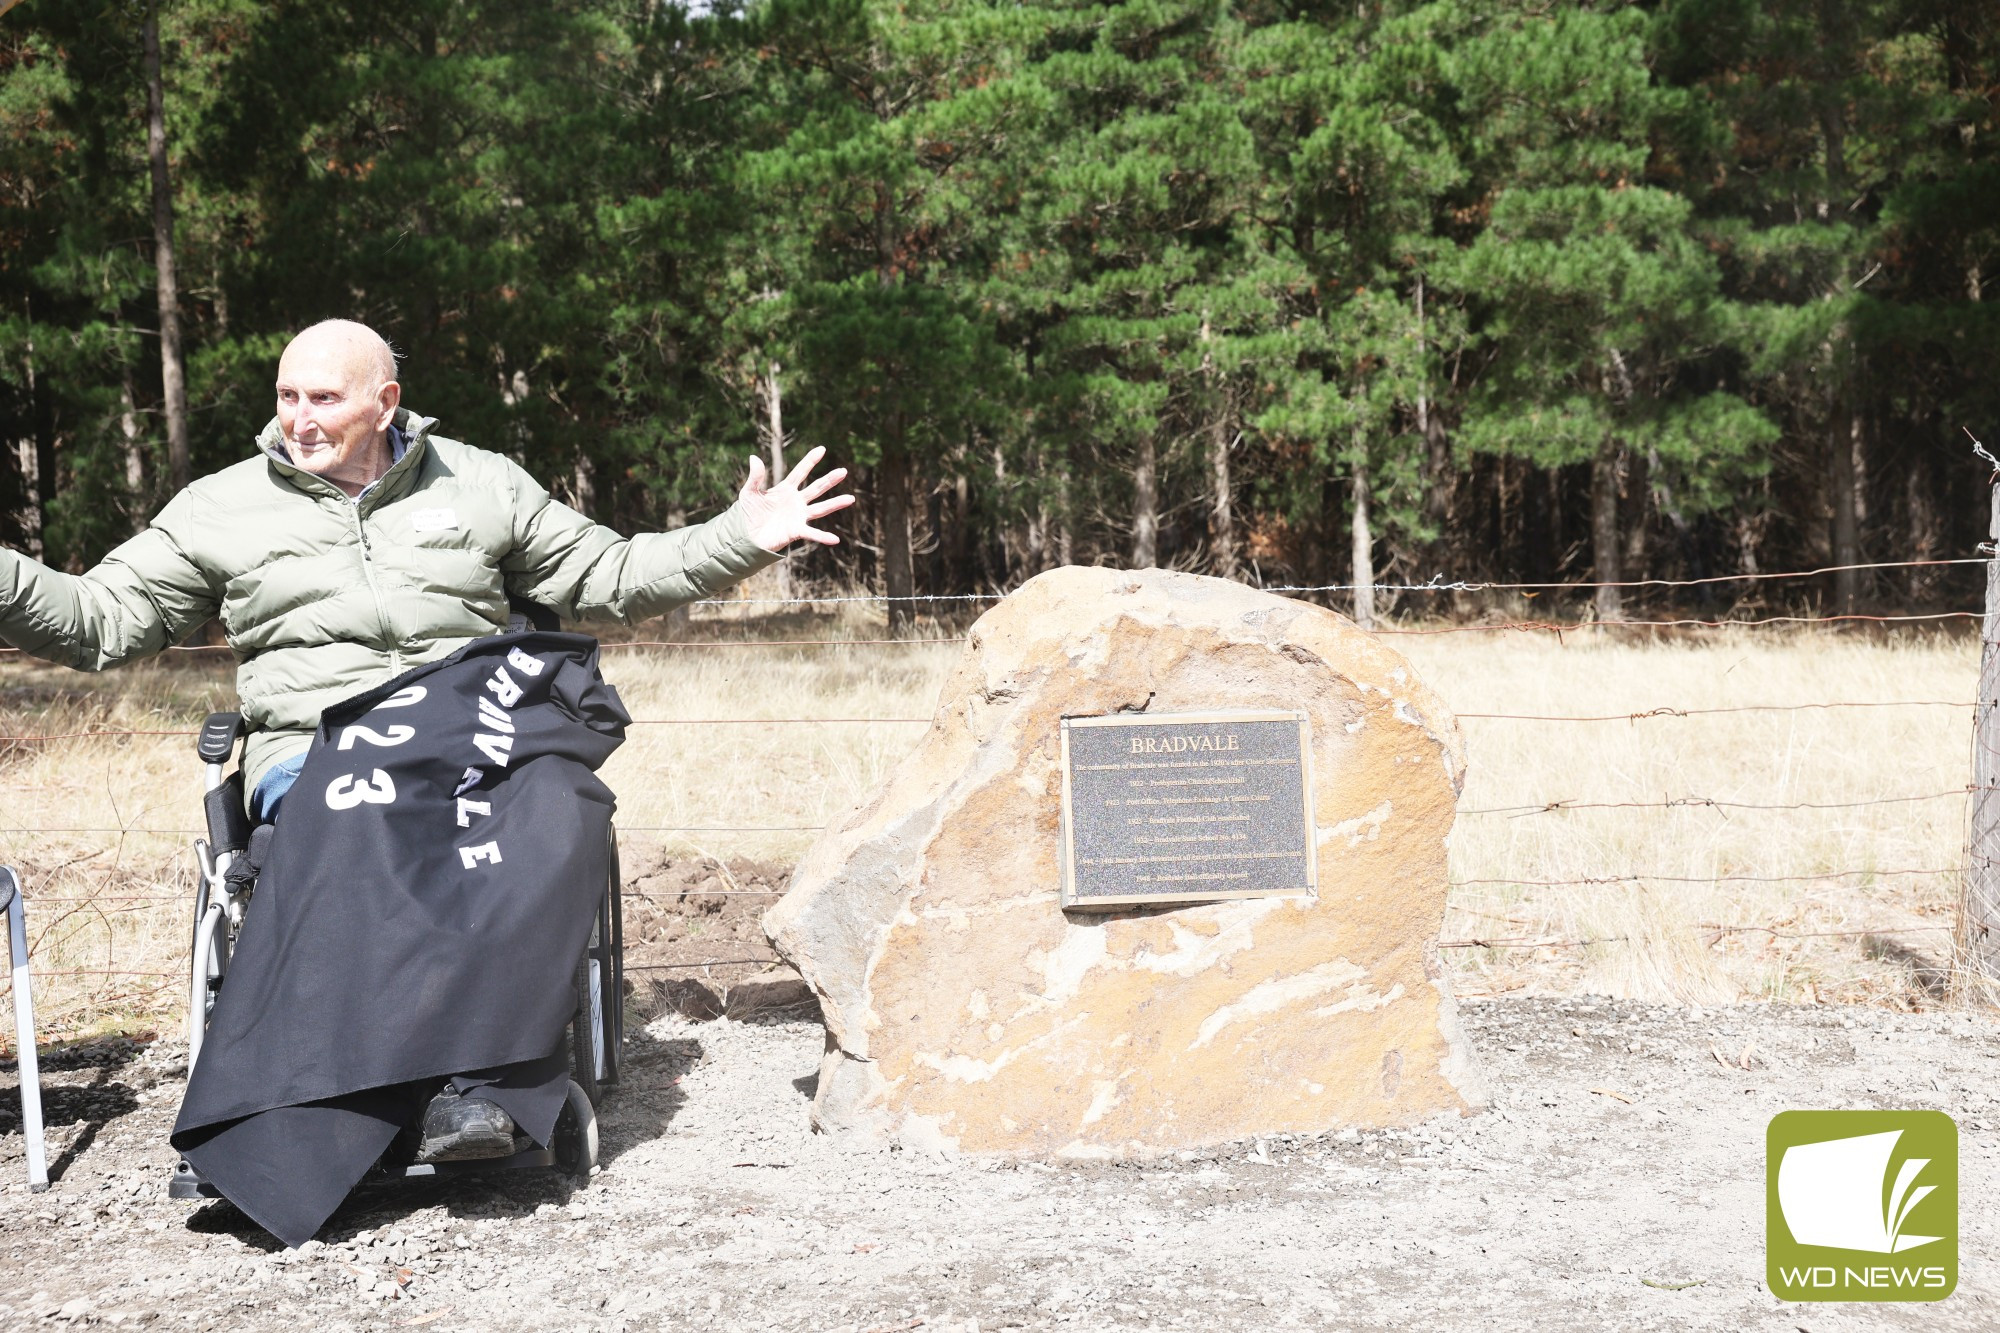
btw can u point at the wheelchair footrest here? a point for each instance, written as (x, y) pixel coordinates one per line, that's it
(188, 1184)
(529, 1156)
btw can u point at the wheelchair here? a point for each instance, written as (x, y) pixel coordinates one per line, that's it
(226, 865)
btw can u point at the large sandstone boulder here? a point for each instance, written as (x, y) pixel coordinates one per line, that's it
(965, 1008)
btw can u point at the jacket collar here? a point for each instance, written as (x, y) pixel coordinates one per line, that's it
(416, 436)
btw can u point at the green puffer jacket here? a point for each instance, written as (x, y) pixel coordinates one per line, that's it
(322, 596)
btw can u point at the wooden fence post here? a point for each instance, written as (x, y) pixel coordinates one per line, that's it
(1978, 939)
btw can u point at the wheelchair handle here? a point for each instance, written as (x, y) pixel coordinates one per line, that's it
(218, 737)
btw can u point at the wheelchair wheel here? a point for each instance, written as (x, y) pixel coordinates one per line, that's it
(611, 923)
(596, 1025)
(574, 1143)
(208, 959)
(586, 1034)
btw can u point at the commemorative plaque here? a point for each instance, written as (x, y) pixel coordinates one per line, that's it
(1186, 807)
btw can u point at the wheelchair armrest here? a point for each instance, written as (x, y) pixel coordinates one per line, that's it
(218, 737)
(242, 872)
(228, 822)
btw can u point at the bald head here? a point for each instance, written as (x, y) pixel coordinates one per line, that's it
(337, 395)
(364, 352)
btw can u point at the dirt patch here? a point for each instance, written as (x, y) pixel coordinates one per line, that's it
(693, 919)
(1564, 1207)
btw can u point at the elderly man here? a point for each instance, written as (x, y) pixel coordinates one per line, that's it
(356, 544)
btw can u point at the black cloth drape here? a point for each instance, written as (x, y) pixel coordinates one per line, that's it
(428, 892)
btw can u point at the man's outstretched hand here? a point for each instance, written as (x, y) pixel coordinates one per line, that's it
(782, 514)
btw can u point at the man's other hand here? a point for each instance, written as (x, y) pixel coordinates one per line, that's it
(779, 515)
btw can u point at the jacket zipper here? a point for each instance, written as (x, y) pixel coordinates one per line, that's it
(381, 607)
(367, 562)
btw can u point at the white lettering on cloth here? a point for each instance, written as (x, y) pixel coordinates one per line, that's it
(504, 688)
(488, 852)
(396, 736)
(493, 717)
(495, 748)
(345, 792)
(496, 743)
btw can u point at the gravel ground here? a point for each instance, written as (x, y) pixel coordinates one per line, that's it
(717, 1208)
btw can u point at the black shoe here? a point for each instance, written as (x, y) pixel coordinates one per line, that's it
(460, 1129)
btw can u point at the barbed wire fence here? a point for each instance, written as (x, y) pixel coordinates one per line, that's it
(1974, 937)
(1977, 938)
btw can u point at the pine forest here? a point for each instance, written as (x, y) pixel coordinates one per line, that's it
(1534, 291)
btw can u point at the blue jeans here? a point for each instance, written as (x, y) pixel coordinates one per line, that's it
(271, 788)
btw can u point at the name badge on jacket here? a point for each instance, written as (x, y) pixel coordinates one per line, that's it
(434, 520)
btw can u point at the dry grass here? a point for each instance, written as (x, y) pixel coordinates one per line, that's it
(702, 786)
(1657, 947)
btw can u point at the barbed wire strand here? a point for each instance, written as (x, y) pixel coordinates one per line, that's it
(905, 641)
(1640, 715)
(1897, 929)
(64, 828)
(721, 828)
(626, 828)
(1437, 584)
(1560, 627)
(90, 735)
(1510, 942)
(1646, 714)
(1591, 880)
(1545, 807)
(785, 643)
(1493, 627)
(1700, 802)
(188, 898)
(768, 721)
(1527, 942)
(147, 898)
(1643, 878)
(101, 972)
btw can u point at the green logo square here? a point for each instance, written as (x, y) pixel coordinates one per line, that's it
(1861, 1205)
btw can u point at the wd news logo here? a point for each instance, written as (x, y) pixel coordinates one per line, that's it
(1861, 1205)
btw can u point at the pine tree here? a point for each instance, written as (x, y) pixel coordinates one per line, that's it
(885, 122)
(1357, 169)
(1598, 304)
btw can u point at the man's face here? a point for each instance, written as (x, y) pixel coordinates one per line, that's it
(333, 410)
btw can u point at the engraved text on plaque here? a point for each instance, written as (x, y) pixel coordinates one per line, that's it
(1186, 807)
